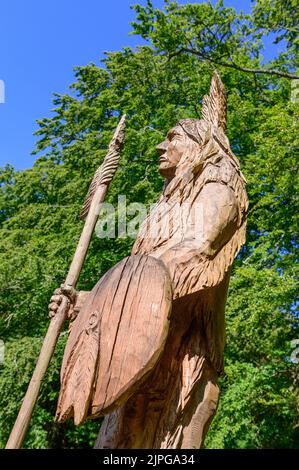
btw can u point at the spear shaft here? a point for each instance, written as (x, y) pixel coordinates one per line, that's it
(91, 209)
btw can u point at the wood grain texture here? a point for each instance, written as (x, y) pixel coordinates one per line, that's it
(170, 400)
(175, 405)
(214, 104)
(117, 338)
(106, 171)
(90, 210)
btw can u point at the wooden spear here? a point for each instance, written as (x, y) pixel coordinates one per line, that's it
(90, 210)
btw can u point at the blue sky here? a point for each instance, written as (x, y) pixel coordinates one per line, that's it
(40, 42)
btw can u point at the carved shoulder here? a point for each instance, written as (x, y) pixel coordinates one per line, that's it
(219, 208)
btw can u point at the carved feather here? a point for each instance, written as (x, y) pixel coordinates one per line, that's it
(85, 371)
(106, 171)
(214, 105)
(79, 375)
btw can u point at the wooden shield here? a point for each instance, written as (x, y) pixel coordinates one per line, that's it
(117, 338)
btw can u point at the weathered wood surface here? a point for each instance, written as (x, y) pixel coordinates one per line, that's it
(90, 210)
(175, 405)
(196, 229)
(117, 338)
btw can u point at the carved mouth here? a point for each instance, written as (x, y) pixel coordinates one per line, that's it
(162, 159)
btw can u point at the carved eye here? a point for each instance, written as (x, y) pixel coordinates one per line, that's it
(173, 135)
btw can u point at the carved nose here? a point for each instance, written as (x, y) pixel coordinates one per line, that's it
(162, 147)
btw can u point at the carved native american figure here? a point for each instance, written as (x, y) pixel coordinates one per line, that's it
(146, 349)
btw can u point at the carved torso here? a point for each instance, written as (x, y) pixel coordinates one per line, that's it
(178, 217)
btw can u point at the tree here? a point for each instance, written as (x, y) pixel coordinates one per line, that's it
(156, 85)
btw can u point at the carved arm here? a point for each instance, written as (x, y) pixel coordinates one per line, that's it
(219, 212)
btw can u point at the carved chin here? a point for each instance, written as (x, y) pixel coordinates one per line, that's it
(167, 170)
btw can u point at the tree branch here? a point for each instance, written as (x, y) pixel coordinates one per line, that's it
(235, 66)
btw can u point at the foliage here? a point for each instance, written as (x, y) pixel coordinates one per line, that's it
(157, 84)
(20, 358)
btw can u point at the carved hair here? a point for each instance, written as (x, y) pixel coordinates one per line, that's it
(205, 144)
(209, 132)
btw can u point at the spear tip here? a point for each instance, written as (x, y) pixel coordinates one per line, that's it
(106, 171)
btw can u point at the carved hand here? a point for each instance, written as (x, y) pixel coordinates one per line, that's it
(56, 299)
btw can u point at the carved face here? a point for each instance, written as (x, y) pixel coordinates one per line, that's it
(170, 151)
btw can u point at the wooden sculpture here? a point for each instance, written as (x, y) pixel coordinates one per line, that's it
(146, 349)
